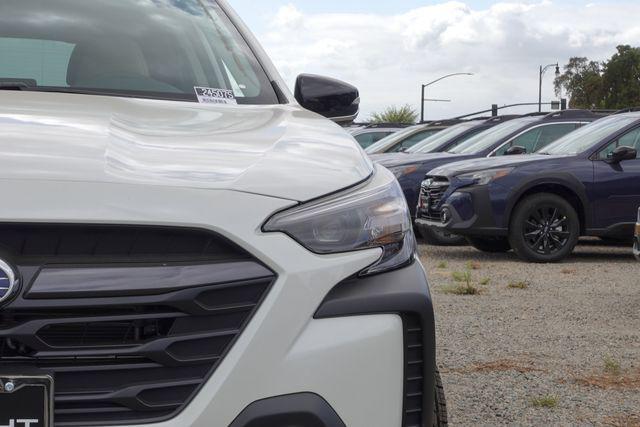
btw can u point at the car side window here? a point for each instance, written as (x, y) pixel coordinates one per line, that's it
(370, 138)
(549, 134)
(527, 140)
(629, 139)
(539, 137)
(413, 140)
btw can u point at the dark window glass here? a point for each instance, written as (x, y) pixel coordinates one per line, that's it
(538, 137)
(630, 139)
(369, 138)
(414, 139)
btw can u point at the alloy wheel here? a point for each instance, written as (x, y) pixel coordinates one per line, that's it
(547, 229)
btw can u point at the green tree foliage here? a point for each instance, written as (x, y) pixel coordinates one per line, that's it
(613, 84)
(404, 114)
(621, 78)
(582, 82)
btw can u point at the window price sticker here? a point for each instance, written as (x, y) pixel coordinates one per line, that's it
(207, 95)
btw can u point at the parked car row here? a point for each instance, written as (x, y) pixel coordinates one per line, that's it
(586, 183)
(496, 137)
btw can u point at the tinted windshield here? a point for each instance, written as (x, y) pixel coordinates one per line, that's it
(487, 139)
(435, 141)
(148, 48)
(585, 137)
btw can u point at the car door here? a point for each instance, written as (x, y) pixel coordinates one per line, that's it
(617, 186)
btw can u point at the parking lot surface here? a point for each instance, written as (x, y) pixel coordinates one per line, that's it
(527, 344)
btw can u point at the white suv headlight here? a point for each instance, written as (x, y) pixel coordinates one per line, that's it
(365, 218)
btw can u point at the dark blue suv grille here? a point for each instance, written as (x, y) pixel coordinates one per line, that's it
(125, 352)
(431, 193)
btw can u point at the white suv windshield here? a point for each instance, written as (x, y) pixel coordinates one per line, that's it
(487, 139)
(148, 48)
(582, 139)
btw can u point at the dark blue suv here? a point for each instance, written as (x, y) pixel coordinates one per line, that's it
(520, 135)
(586, 183)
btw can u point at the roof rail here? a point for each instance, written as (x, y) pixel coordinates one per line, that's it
(627, 110)
(573, 113)
(445, 122)
(536, 114)
(388, 125)
(503, 118)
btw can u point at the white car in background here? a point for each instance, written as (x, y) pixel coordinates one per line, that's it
(184, 243)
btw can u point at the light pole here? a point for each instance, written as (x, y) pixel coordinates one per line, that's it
(422, 99)
(542, 71)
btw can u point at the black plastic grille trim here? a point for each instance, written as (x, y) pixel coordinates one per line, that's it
(431, 197)
(413, 371)
(127, 359)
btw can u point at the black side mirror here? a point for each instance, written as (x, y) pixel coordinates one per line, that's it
(515, 150)
(621, 154)
(328, 97)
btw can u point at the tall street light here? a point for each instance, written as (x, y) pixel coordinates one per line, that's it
(422, 99)
(542, 71)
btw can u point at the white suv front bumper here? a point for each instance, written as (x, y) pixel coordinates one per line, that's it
(355, 363)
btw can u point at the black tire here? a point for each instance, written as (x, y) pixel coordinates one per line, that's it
(436, 237)
(544, 228)
(493, 245)
(440, 416)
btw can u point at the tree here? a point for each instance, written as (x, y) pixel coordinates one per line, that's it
(405, 114)
(613, 84)
(621, 78)
(583, 83)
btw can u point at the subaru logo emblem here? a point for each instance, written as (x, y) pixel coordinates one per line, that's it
(7, 281)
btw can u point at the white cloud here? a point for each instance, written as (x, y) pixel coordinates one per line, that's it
(388, 57)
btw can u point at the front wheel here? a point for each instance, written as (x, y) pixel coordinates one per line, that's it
(440, 416)
(435, 237)
(544, 228)
(493, 245)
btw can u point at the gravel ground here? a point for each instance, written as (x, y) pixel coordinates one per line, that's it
(561, 346)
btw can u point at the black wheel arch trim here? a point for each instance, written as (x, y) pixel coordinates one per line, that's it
(400, 291)
(298, 409)
(566, 180)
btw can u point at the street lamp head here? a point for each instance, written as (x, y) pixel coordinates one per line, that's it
(557, 70)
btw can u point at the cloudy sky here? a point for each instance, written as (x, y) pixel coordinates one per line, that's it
(389, 48)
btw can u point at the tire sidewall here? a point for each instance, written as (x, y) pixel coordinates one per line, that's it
(520, 215)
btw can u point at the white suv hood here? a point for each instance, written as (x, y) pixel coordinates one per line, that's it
(279, 151)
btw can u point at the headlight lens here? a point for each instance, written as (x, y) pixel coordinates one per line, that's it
(366, 218)
(400, 171)
(486, 176)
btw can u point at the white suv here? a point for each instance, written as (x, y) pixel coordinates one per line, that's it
(183, 244)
